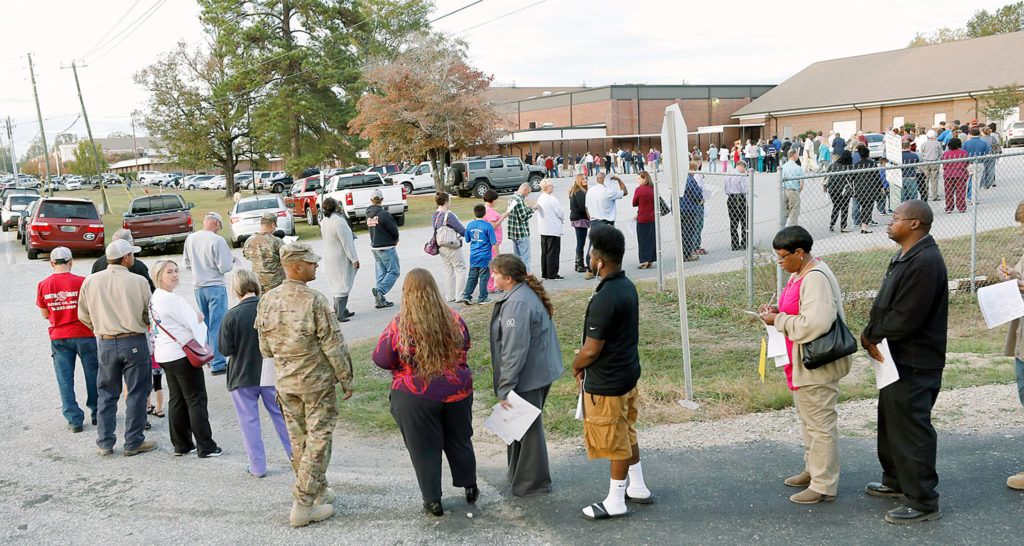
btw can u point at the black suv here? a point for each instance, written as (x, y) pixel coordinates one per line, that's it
(475, 175)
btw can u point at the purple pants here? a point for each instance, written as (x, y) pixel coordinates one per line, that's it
(247, 407)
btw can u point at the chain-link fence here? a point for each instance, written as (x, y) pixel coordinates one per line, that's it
(847, 207)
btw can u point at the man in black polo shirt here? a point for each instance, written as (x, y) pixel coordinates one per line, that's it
(911, 312)
(608, 365)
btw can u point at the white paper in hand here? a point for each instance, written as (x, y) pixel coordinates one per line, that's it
(267, 376)
(885, 372)
(1000, 303)
(289, 239)
(511, 424)
(579, 406)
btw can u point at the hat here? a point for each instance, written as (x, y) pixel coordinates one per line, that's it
(931, 133)
(269, 217)
(61, 253)
(215, 216)
(298, 252)
(376, 194)
(120, 248)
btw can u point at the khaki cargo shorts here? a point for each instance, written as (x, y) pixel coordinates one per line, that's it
(608, 425)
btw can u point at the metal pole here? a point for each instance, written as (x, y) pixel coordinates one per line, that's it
(974, 228)
(10, 142)
(657, 238)
(42, 132)
(95, 152)
(135, 144)
(684, 322)
(782, 225)
(750, 241)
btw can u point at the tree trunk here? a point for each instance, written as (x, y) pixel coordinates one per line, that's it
(229, 172)
(437, 166)
(292, 68)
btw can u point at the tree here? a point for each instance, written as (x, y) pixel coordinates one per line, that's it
(305, 58)
(62, 139)
(428, 102)
(34, 150)
(1000, 102)
(1009, 18)
(119, 134)
(191, 111)
(84, 163)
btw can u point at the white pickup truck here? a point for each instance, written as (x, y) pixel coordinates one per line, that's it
(414, 177)
(352, 192)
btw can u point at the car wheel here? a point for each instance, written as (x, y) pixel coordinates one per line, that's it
(3, 227)
(535, 183)
(408, 187)
(32, 253)
(311, 219)
(480, 189)
(278, 188)
(400, 219)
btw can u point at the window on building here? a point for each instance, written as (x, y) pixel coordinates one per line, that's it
(846, 129)
(897, 121)
(937, 119)
(787, 131)
(533, 125)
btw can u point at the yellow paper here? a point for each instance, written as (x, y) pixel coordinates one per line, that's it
(761, 361)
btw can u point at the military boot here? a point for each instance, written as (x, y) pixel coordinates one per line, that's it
(302, 516)
(326, 496)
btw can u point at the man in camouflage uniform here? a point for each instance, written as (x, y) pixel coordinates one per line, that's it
(263, 249)
(298, 328)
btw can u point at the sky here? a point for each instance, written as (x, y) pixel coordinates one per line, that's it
(521, 42)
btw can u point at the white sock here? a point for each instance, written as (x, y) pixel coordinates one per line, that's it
(615, 502)
(637, 488)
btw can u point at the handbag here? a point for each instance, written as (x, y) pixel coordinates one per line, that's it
(446, 236)
(664, 207)
(198, 355)
(837, 343)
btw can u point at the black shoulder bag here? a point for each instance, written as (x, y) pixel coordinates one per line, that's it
(837, 343)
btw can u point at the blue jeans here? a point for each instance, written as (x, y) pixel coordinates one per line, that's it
(64, 353)
(521, 248)
(387, 268)
(213, 303)
(989, 178)
(480, 274)
(124, 360)
(1020, 380)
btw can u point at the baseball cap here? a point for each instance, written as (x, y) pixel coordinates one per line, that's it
(61, 253)
(298, 252)
(269, 217)
(215, 216)
(376, 194)
(121, 248)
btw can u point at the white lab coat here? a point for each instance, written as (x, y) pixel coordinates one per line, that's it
(339, 254)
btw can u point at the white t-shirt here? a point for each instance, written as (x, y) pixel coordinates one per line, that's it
(178, 317)
(551, 215)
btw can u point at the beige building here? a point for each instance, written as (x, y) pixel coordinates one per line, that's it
(871, 93)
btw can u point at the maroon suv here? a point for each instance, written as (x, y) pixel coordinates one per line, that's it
(64, 221)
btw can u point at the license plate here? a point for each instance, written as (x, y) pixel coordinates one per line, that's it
(68, 229)
(161, 239)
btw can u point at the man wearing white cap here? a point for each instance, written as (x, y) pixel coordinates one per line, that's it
(138, 267)
(57, 299)
(208, 257)
(383, 240)
(114, 304)
(930, 150)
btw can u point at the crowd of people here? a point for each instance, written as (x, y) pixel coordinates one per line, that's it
(618, 161)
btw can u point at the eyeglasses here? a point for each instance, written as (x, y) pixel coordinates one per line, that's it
(782, 257)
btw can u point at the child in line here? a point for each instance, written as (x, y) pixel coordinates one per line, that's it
(480, 234)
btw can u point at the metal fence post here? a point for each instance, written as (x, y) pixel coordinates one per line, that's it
(974, 227)
(750, 241)
(782, 224)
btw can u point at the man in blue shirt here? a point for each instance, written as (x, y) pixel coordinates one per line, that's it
(911, 185)
(838, 145)
(977, 146)
(481, 237)
(792, 188)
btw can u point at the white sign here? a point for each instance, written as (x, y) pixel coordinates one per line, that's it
(894, 153)
(1000, 303)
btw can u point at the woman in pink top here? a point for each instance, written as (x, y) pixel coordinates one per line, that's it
(807, 309)
(495, 218)
(954, 176)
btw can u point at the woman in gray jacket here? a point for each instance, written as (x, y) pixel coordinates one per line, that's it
(526, 358)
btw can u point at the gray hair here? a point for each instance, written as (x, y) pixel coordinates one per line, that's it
(123, 234)
(243, 282)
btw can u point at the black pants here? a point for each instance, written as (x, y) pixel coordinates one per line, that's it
(906, 437)
(528, 469)
(737, 205)
(581, 241)
(187, 416)
(550, 248)
(428, 428)
(840, 208)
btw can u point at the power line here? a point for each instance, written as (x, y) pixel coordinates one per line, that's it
(453, 12)
(130, 29)
(98, 42)
(513, 12)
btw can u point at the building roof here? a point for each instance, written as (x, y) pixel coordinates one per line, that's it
(915, 73)
(502, 95)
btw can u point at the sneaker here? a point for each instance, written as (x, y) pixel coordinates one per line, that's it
(93, 420)
(378, 298)
(183, 453)
(464, 300)
(148, 425)
(219, 372)
(484, 301)
(145, 447)
(75, 428)
(217, 452)
(249, 472)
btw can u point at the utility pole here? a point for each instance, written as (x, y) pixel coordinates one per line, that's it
(95, 152)
(10, 141)
(42, 132)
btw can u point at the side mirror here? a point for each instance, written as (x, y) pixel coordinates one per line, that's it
(190, 206)
(125, 214)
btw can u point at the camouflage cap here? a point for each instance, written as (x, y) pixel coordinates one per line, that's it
(269, 218)
(298, 252)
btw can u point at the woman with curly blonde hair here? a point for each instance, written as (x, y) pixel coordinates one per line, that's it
(425, 349)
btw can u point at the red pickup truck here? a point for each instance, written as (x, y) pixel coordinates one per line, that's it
(159, 220)
(301, 199)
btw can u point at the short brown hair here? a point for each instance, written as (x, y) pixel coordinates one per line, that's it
(245, 282)
(441, 198)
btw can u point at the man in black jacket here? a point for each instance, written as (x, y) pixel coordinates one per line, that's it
(383, 239)
(910, 311)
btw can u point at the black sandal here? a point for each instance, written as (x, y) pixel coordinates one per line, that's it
(149, 410)
(600, 513)
(159, 413)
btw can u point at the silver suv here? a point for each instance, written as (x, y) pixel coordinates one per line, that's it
(475, 175)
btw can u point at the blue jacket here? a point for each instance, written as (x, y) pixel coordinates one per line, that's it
(838, 145)
(692, 200)
(977, 146)
(908, 158)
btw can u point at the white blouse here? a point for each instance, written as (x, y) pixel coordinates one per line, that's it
(178, 317)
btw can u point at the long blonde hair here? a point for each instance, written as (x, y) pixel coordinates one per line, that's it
(580, 184)
(645, 179)
(428, 329)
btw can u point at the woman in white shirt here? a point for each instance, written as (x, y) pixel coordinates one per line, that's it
(552, 216)
(172, 316)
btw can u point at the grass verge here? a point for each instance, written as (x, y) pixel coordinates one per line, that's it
(724, 344)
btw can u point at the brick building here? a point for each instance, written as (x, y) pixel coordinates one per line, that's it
(575, 120)
(871, 93)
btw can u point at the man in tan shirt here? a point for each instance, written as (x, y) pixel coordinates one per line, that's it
(114, 303)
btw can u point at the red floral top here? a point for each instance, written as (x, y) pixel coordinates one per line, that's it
(451, 386)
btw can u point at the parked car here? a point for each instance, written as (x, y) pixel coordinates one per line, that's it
(64, 221)
(245, 216)
(383, 170)
(263, 178)
(16, 191)
(111, 178)
(23, 220)
(414, 177)
(73, 184)
(10, 209)
(145, 177)
(352, 192)
(243, 180)
(1015, 134)
(194, 182)
(301, 199)
(25, 181)
(475, 175)
(218, 182)
(876, 144)
(159, 220)
(282, 183)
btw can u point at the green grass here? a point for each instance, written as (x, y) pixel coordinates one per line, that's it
(724, 344)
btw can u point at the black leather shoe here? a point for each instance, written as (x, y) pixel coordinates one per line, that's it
(905, 515)
(876, 489)
(434, 508)
(472, 493)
